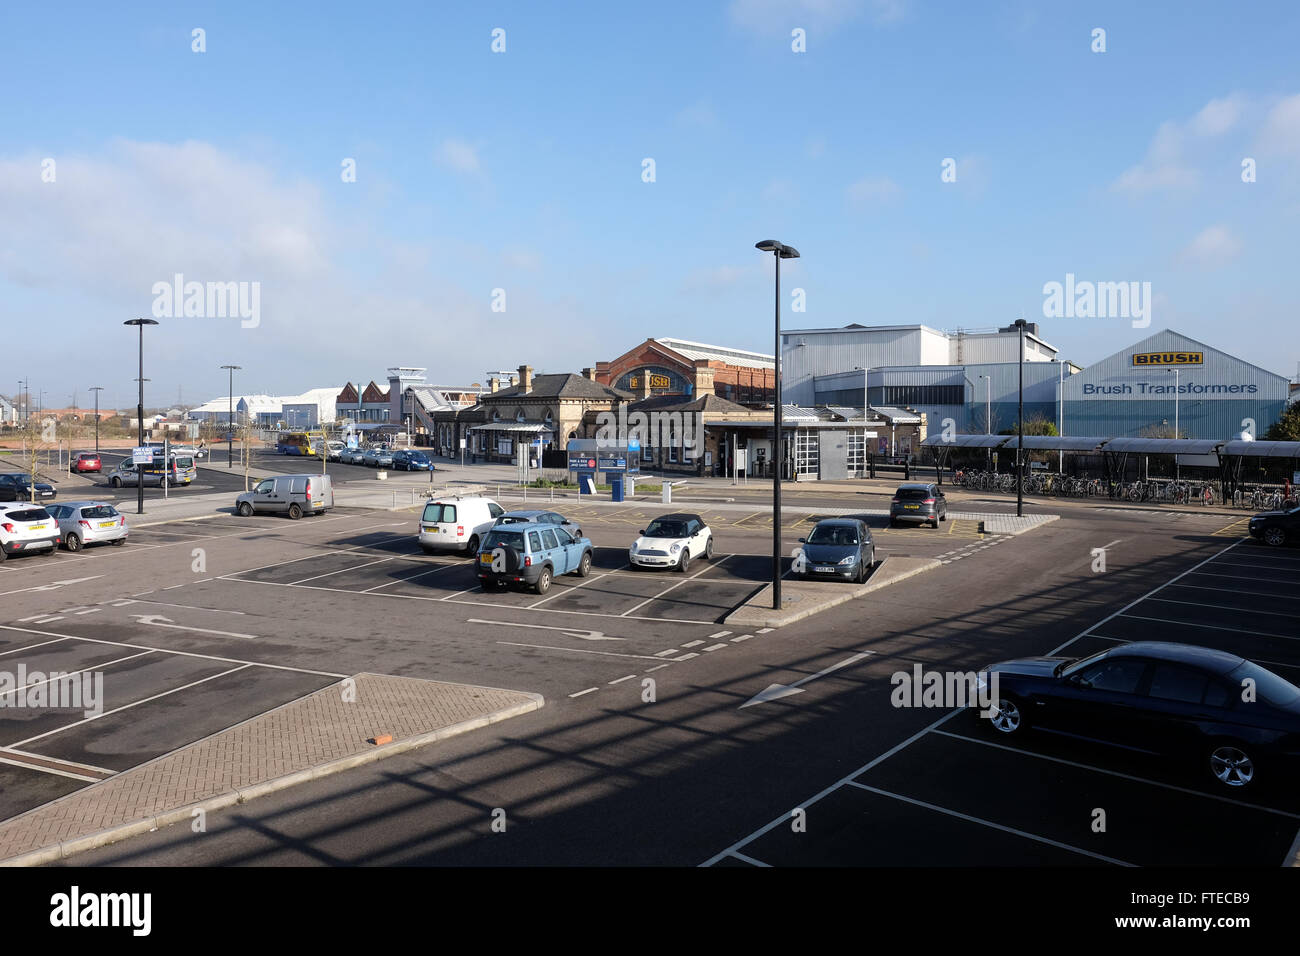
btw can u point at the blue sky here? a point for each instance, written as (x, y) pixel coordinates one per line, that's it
(522, 171)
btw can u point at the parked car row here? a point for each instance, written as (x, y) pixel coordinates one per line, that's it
(27, 527)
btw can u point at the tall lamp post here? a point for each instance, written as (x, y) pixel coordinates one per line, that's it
(866, 413)
(988, 414)
(1020, 424)
(780, 251)
(230, 417)
(96, 389)
(1177, 433)
(139, 412)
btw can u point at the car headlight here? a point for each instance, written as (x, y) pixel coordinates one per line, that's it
(633, 548)
(676, 548)
(850, 559)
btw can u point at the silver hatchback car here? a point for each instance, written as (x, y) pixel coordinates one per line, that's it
(89, 522)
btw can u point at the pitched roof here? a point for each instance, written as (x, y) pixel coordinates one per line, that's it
(698, 351)
(702, 403)
(558, 385)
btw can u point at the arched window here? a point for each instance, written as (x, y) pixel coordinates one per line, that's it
(519, 414)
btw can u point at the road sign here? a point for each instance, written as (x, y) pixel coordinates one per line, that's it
(142, 456)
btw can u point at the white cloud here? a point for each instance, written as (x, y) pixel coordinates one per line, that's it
(873, 190)
(699, 115)
(1167, 165)
(458, 155)
(1213, 247)
(769, 16)
(1281, 133)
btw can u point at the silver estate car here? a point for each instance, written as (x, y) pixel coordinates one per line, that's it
(378, 458)
(89, 522)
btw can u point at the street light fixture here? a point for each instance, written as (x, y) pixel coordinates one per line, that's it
(1020, 424)
(96, 389)
(780, 251)
(139, 412)
(230, 417)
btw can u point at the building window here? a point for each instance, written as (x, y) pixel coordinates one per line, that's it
(807, 451)
(647, 453)
(672, 454)
(687, 453)
(857, 446)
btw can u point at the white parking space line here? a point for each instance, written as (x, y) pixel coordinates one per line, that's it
(589, 690)
(388, 584)
(692, 644)
(717, 562)
(621, 679)
(137, 703)
(354, 567)
(90, 610)
(1213, 627)
(1206, 587)
(751, 861)
(1240, 577)
(29, 647)
(1115, 773)
(743, 637)
(187, 607)
(719, 636)
(583, 583)
(805, 804)
(717, 647)
(989, 823)
(651, 670)
(580, 650)
(49, 620)
(63, 674)
(671, 650)
(161, 650)
(1221, 607)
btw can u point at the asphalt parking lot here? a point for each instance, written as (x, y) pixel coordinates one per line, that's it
(985, 802)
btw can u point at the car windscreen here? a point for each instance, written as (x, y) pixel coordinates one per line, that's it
(842, 535)
(912, 494)
(99, 511)
(28, 514)
(438, 511)
(184, 463)
(500, 538)
(1269, 688)
(666, 529)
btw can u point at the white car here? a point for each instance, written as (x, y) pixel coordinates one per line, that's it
(671, 541)
(89, 522)
(457, 522)
(25, 526)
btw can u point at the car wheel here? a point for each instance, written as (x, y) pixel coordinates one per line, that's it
(543, 581)
(1007, 717)
(1274, 536)
(72, 542)
(115, 481)
(245, 509)
(584, 566)
(472, 546)
(3, 554)
(708, 549)
(295, 510)
(118, 542)
(1232, 766)
(685, 561)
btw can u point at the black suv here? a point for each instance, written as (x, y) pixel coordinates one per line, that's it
(1276, 527)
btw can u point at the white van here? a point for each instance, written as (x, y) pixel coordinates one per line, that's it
(457, 522)
(292, 495)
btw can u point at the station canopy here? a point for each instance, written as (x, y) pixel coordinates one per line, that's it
(1263, 449)
(1058, 443)
(965, 441)
(1164, 446)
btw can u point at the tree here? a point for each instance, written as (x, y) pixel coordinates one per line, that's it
(1034, 426)
(1286, 428)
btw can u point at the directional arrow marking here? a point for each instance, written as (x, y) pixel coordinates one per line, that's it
(157, 620)
(777, 691)
(53, 585)
(572, 632)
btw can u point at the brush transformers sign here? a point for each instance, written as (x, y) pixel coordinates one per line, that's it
(1167, 359)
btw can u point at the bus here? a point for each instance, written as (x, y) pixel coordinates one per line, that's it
(297, 443)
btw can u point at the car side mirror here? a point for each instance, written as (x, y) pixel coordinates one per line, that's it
(642, 531)
(803, 540)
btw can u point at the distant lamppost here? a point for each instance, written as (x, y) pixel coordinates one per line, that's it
(780, 251)
(1177, 433)
(988, 413)
(139, 412)
(230, 417)
(96, 389)
(1020, 424)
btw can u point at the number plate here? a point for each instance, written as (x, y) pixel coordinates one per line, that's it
(912, 507)
(824, 569)
(485, 559)
(108, 524)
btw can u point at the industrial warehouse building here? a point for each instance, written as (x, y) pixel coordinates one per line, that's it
(971, 380)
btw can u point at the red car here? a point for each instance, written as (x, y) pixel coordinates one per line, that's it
(86, 461)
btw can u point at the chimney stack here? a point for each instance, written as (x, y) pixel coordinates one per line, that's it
(704, 380)
(493, 383)
(525, 378)
(589, 373)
